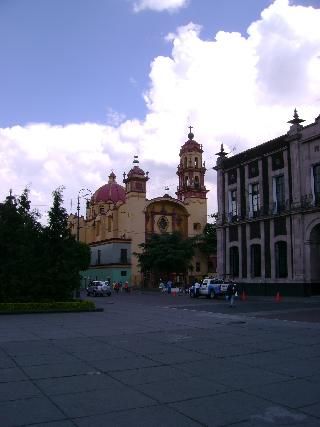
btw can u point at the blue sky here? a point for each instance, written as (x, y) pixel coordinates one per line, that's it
(85, 85)
(71, 61)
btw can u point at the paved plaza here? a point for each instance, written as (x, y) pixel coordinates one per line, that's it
(163, 360)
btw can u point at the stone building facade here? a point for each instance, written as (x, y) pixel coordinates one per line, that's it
(268, 226)
(119, 218)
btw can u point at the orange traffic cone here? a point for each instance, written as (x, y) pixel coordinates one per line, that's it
(243, 296)
(278, 297)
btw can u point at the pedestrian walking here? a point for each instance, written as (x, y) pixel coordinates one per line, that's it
(231, 293)
(197, 288)
(169, 286)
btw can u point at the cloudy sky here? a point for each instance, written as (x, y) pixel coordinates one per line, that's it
(85, 86)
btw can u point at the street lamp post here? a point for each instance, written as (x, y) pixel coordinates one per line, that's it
(83, 193)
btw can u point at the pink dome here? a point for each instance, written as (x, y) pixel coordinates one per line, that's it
(112, 192)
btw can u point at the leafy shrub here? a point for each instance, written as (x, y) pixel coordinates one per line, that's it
(47, 306)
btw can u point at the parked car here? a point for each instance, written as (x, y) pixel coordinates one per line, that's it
(210, 288)
(98, 288)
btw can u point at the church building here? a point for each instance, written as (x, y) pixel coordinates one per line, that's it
(120, 217)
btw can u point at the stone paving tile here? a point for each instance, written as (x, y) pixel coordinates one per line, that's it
(298, 369)
(181, 389)
(232, 374)
(294, 393)
(6, 362)
(124, 363)
(82, 344)
(143, 347)
(17, 390)
(96, 402)
(65, 423)
(57, 370)
(178, 356)
(149, 375)
(11, 374)
(78, 383)
(36, 359)
(280, 416)
(28, 347)
(154, 416)
(223, 409)
(267, 358)
(28, 411)
(111, 353)
(217, 349)
(313, 410)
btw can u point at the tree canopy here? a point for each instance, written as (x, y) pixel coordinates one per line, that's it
(207, 241)
(38, 262)
(164, 254)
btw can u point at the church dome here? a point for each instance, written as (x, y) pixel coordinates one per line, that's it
(191, 145)
(136, 171)
(110, 192)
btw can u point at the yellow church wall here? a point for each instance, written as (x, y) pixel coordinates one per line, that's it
(197, 209)
(135, 206)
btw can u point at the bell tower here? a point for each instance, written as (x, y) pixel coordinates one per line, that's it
(191, 171)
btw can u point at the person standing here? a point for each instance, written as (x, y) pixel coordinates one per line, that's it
(197, 288)
(169, 286)
(231, 293)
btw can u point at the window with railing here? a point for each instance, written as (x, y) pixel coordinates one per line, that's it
(278, 194)
(254, 200)
(232, 208)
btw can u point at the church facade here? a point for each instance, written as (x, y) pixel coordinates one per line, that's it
(120, 217)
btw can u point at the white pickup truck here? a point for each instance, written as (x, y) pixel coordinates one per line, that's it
(210, 288)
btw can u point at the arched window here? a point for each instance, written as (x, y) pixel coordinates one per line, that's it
(185, 162)
(234, 261)
(196, 162)
(255, 260)
(196, 182)
(280, 249)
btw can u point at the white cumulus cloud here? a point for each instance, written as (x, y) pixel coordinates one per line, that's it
(236, 89)
(159, 5)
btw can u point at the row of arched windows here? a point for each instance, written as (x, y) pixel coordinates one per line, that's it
(280, 258)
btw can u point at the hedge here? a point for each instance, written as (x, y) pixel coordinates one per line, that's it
(43, 307)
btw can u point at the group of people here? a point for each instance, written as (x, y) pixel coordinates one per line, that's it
(118, 286)
(165, 287)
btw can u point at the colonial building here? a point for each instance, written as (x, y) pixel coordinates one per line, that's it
(268, 227)
(119, 218)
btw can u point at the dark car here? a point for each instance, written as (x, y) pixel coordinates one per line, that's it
(98, 288)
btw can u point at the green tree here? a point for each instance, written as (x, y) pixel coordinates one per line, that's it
(19, 239)
(38, 263)
(164, 254)
(207, 241)
(65, 257)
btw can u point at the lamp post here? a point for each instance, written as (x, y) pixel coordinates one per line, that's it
(83, 193)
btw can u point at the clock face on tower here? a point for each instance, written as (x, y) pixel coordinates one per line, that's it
(163, 223)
